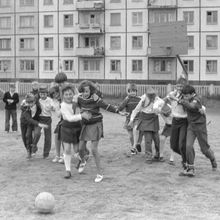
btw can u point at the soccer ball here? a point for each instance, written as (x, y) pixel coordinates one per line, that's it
(44, 202)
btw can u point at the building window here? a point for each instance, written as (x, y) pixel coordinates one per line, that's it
(137, 18)
(188, 17)
(189, 65)
(67, 2)
(48, 2)
(212, 17)
(211, 66)
(5, 65)
(48, 65)
(5, 44)
(48, 43)
(68, 20)
(211, 42)
(115, 42)
(190, 42)
(91, 65)
(68, 42)
(26, 2)
(137, 65)
(26, 43)
(115, 19)
(48, 20)
(68, 65)
(137, 42)
(115, 1)
(91, 42)
(5, 22)
(162, 65)
(5, 3)
(27, 65)
(116, 66)
(161, 16)
(26, 21)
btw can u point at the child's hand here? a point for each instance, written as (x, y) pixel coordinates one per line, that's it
(202, 110)
(123, 113)
(86, 115)
(42, 125)
(95, 97)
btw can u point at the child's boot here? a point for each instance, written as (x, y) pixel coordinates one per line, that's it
(214, 164)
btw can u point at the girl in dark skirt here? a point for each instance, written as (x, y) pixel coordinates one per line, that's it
(70, 126)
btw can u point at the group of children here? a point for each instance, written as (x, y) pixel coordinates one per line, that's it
(81, 122)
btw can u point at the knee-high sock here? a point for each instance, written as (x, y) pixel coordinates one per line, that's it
(67, 161)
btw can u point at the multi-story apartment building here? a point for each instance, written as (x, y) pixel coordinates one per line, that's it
(105, 39)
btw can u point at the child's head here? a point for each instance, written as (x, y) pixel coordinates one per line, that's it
(151, 93)
(54, 92)
(68, 93)
(87, 88)
(30, 99)
(35, 85)
(60, 78)
(43, 91)
(180, 83)
(12, 87)
(131, 89)
(188, 92)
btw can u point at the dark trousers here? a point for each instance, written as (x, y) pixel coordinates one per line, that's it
(178, 136)
(199, 132)
(47, 135)
(26, 134)
(8, 114)
(149, 136)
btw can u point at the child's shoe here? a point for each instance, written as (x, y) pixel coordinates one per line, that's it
(183, 173)
(61, 160)
(138, 147)
(28, 156)
(214, 164)
(98, 178)
(133, 151)
(56, 159)
(82, 167)
(190, 172)
(68, 175)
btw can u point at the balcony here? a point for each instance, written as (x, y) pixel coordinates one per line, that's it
(90, 52)
(90, 29)
(90, 5)
(157, 4)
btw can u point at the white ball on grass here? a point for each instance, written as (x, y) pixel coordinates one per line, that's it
(45, 202)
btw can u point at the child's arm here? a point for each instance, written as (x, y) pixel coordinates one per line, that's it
(16, 98)
(193, 106)
(123, 104)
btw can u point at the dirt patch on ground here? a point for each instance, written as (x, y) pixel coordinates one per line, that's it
(131, 188)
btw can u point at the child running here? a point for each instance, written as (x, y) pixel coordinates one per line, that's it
(70, 126)
(165, 134)
(129, 104)
(29, 120)
(196, 129)
(92, 130)
(148, 122)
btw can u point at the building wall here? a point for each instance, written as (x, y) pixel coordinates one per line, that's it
(126, 54)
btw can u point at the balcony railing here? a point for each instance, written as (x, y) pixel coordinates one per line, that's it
(90, 52)
(162, 4)
(90, 28)
(90, 5)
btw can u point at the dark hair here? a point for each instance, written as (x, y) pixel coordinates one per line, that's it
(60, 77)
(188, 89)
(53, 90)
(181, 81)
(67, 86)
(87, 83)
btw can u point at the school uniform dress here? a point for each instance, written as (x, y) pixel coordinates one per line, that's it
(129, 104)
(179, 125)
(11, 110)
(148, 122)
(70, 125)
(92, 129)
(196, 129)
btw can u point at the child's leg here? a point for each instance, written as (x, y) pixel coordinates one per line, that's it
(190, 153)
(57, 144)
(67, 156)
(14, 120)
(135, 135)
(148, 144)
(82, 148)
(162, 144)
(94, 148)
(156, 139)
(7, 120)
(131, 137)
(23, 134)
(47, 139)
